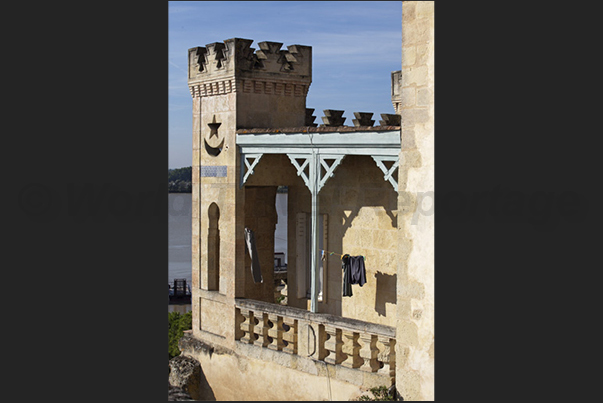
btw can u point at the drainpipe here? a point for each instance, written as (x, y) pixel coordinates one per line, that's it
(314, 178)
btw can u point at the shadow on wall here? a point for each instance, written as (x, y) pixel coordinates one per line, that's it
(358, 184)
(386, 291)
(205, 391)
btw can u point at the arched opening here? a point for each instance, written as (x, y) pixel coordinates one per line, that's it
(213, 249)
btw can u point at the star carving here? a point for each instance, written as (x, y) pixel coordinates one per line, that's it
(213, 126)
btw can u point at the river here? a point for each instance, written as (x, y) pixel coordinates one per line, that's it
(180, 234)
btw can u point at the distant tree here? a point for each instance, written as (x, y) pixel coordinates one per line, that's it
(183, 174)
(177, 324)
(180, 180)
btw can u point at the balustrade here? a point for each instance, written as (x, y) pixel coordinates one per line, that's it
(339, 341)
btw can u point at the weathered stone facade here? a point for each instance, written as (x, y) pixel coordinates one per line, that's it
(249, 347)
(415, 289)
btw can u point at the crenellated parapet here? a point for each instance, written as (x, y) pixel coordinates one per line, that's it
(363, 119)
(310, 118)
(231, 66)
(334, 118)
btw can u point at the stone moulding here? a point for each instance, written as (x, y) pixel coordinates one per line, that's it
(213, 88)
(276, 87)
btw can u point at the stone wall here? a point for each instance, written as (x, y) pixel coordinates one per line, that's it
(248, 372)
(215, 193)
(362, 220)
(415, 288)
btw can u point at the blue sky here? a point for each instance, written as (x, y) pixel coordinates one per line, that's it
(355, 47)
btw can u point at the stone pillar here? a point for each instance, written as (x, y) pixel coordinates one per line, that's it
(415, 281)
(261, 217)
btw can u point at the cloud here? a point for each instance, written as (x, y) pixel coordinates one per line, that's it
(175, 65)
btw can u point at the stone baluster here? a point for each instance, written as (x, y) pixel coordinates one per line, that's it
(333, 344)
(248, 326)
(369, 352)
(275, 332)
(239, 321)
(261, 329)
(350, 349)
(289, 335)
(392, 360)
(387, 355)
(322, 343)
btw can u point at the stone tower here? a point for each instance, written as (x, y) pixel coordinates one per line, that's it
(233, 87)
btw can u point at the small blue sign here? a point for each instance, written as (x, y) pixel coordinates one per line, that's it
(218, 171)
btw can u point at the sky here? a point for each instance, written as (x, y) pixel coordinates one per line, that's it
(355, 47)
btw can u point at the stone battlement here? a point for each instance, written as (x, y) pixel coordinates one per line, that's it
(236, 58)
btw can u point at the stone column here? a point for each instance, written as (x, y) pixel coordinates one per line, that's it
(415, 287)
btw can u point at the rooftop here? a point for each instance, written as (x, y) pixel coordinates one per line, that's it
(324, 129)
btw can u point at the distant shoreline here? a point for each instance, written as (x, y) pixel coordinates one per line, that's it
(180, 180)
(179, 186)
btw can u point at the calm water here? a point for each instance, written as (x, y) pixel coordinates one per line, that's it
(180, 232)
(179, 248)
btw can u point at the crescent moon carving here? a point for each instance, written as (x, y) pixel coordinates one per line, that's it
(214, 151)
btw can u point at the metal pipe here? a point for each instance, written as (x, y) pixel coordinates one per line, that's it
(314, 179)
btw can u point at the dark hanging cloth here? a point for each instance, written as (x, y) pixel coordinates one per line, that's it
(347, 275)
(358, 270)
(253, 254)
(354, 272)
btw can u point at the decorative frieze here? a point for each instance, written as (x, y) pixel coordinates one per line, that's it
(213, 88)
(274, 87)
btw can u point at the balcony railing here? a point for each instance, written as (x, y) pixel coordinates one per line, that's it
(335, 340)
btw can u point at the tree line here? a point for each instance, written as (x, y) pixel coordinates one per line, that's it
(180, 180)
(177, 324)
